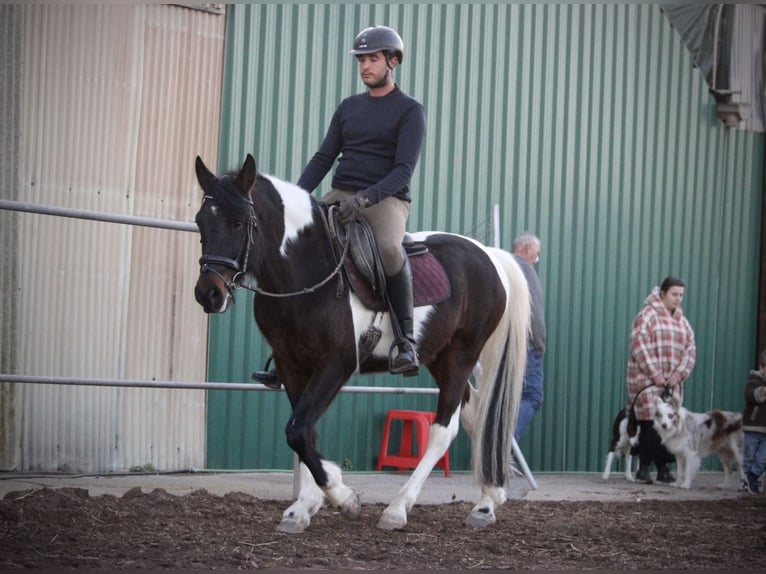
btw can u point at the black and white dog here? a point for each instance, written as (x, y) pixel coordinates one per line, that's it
(624, 443)
(692, 436)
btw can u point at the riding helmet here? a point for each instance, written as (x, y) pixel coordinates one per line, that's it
(379, 39)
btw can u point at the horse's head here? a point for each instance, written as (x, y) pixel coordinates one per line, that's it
(227, 226)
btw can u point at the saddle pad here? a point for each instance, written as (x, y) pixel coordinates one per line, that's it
(430, 283)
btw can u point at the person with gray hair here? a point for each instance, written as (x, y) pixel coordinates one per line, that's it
(526, 249)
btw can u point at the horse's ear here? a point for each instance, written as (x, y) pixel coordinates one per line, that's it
(203, 173)
(247, 174)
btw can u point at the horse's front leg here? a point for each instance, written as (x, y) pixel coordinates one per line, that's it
(310, 500)
(321, 479)
(439, 439)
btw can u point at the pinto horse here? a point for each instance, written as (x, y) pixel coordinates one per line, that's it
(255, 227)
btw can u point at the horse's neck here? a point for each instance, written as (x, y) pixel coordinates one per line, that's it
(307, 260)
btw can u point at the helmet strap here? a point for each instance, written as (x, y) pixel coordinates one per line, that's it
(388, 60)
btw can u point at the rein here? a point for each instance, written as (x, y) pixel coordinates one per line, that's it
(238, 280)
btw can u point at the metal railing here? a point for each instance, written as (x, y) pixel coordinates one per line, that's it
(11, 205)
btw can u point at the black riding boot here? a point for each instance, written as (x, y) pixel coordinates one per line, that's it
(403, 357)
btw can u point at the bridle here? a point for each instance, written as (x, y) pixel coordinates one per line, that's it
(239, 264)
(240, 269)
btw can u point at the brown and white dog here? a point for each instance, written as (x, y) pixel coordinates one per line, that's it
(624, 442)
(692, 436)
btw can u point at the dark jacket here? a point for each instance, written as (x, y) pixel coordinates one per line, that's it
(376, 141)
(537, 333)
(754, 415)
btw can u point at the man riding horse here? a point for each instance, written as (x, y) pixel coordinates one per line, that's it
(376, 137)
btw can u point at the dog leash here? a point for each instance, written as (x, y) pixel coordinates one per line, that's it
(667, 393)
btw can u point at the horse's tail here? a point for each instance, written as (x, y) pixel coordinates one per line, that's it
(501, 376)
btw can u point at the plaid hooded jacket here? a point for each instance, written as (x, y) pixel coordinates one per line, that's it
(662, 352)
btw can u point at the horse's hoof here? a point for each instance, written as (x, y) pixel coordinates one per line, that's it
(480, 518)
(293, 524)
(389, 521)
(352, 508)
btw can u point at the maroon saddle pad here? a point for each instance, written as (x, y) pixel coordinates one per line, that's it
(430, 283)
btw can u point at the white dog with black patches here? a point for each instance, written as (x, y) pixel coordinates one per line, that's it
(624, 442)
(692, 436)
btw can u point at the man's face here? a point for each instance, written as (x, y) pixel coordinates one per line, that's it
(373, 69)
(532, 253)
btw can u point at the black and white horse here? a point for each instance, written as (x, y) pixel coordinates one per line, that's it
(255, 227)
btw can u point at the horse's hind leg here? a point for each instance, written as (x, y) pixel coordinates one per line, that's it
(483, 513)
(440, 437)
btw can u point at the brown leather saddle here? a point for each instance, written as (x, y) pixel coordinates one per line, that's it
(363, 269)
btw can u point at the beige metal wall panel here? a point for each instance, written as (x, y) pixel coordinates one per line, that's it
(118, 101)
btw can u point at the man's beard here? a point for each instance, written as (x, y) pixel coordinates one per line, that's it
(380, 83)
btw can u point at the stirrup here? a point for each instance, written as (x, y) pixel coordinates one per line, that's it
(410, 368)
(268, 377)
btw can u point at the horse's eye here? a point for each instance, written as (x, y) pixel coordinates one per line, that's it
(236, 225)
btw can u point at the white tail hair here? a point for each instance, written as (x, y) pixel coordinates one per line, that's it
(500, 376)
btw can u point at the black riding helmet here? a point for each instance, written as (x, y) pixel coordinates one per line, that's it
(379, 39)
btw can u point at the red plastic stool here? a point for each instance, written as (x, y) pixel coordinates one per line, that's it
(405, 459)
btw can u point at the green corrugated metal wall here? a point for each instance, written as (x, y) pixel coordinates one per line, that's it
(587, 124)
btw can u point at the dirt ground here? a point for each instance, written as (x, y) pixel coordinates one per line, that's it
(68, 528)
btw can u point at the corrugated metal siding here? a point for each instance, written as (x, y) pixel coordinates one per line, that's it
(10, 134)
(746, 63)
(118, 100)
(587, 124)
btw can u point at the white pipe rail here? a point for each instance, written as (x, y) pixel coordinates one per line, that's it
(11, 205)
(7, 378)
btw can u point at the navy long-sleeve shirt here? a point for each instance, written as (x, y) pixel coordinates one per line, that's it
(377, 143)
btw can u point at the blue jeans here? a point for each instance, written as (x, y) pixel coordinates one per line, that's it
(755, 452)
(532, 393)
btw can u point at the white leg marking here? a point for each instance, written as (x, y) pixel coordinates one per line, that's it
(483, 514)
(692, 466)
(395, 515)
(339, 494)
(310, 499)
(608, 465)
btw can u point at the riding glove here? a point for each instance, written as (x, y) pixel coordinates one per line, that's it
(351, 208)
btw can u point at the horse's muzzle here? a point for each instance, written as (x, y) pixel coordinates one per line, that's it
(213, 298)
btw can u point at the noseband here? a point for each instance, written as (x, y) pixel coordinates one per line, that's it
(240, 269)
